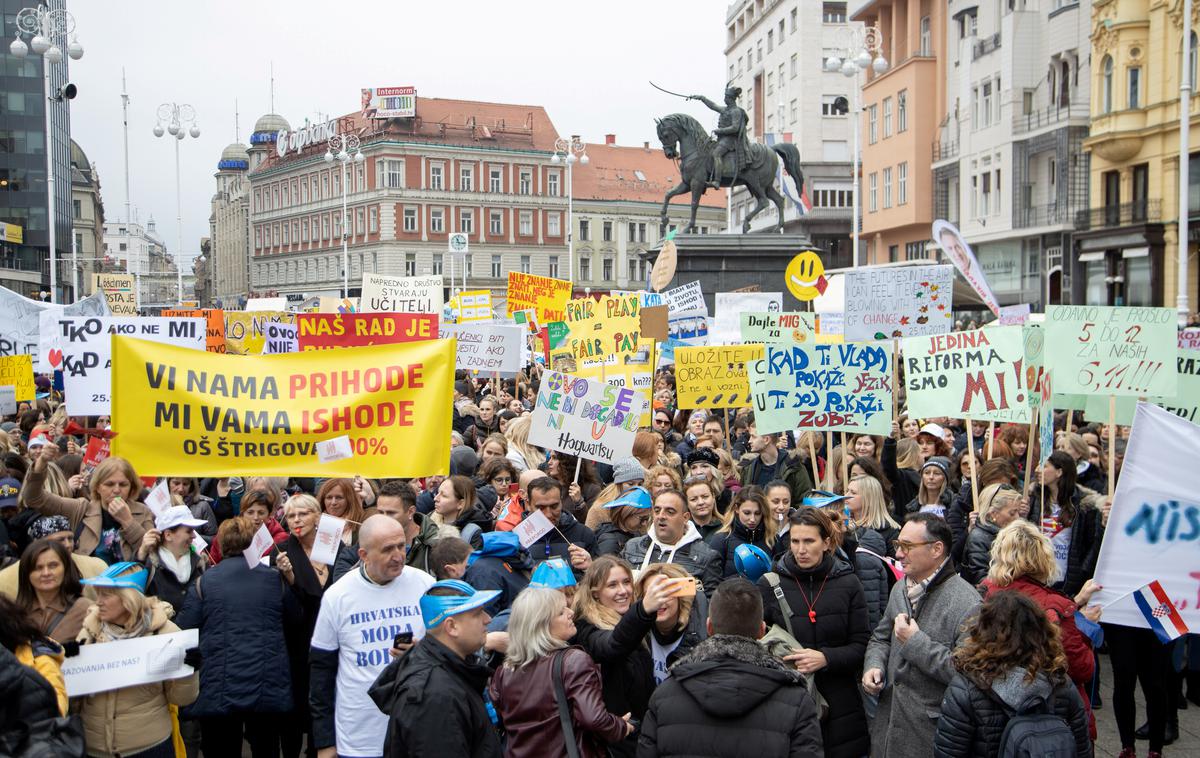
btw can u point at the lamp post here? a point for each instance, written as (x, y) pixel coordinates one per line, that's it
(862, 47)
(570, 151)
(47, 29)
(344, 148)
(177, 117)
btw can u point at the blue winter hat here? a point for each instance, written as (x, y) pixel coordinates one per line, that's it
(553, 573)
(638, 497)
(121, 576)
(751, 561)
(437, 608)
(821, 499)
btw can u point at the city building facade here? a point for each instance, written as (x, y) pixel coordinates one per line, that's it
(1127, 241)
(229, 222)
(87, 220)
(139, 250)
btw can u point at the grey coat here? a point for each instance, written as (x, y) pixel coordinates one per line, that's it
(917, 672)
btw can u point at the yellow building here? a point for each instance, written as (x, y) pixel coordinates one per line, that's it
(1126, 243)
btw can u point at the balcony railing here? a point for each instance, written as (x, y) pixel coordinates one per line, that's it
(1026, 122)
(984, 46)
(1051, 214)
(944, 150)
(1126, 214)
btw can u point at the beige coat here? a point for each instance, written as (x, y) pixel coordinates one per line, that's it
(87, 565)
(132, 719)
(78, 509)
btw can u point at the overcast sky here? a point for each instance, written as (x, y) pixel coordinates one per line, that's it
(587, 64)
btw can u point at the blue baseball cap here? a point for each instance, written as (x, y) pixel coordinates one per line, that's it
(821, 499)
(437, 608)
(638, 497)
(121, 576)
(553, 573)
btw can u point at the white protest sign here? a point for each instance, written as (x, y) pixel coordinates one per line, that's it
(1014, 315)
(27, 327)
(897, 301)
(586, 417)
(335, 449)
(1154, 526)
(87, 353)
(266, 304)
(958, 252)
(726, 328)
(1189, 339)
(487, 348)
(686, 300)
(401, 294)
(125, 663)
(260, 544)
(532, 528)
(327, 540)
(279, 338)
(8, 400)
(159, 498)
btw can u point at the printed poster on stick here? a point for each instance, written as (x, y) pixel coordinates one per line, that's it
(714, 376)
(401, 294)
(119, 291)
(845, 387)
(487, 348)
(1111, 350)
(978, 375)
(321, 331)
(192, 413)
(779, 328)
(215, 329)
(898, 301)
(245, 331)
(608, 326)
(585, 417)
(958, 252)
(17, 371)
(545, 295)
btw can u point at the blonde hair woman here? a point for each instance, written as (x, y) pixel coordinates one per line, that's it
(999, 506)
(539, 631)
(523, 455)
(659, 478)
(833, 472)
(867, 509)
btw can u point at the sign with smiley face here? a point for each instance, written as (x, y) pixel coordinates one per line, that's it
(805, 276)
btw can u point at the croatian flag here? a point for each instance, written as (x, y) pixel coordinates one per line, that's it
(803, 206)
(1160, 612)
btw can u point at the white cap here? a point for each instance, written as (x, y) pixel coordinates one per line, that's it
(937, 431)
(177, 515)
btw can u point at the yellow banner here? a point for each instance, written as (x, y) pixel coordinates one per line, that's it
(608, 326)
(714, 377)
(548, 296)
(246, 331)
(11, 233)
(181, 412)
(17, 371)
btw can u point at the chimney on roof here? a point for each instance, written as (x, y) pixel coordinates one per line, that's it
(610, 139)
(646, 146)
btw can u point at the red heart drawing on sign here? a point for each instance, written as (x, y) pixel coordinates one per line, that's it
(56, 357)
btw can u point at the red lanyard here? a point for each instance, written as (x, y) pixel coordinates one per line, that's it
(812, 613)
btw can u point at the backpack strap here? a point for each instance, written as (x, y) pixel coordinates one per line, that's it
(564, 710)
(773, 580)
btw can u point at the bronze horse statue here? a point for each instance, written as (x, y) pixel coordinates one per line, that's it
(685, 138)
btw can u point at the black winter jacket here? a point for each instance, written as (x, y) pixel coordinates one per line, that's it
(611, 539)
(973, 718)
(729, 696)
(626, 665)
(906, 483)
(163, 584)
(840, 632)
(977, 554)
(25, 699)
(945, 500)
(434, 702)
(551, 544)
(958, 517)
(725, 543)
(877, 579)
(1087, 532)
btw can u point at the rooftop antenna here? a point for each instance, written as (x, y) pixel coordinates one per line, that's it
(272, 86)
(237, 129)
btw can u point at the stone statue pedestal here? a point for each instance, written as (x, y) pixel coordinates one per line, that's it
(727, 262)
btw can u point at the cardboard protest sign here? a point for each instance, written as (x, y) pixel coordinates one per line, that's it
(280, 339)
(978, 374)
(778, 327)
(321, 331)
(1154, 526)
(1014, 315)
(401, 294)
(474, 306)
(829, 387)
(1189, 339)
(1184, 403)
(831, 328)
(8, 400)
(1035, 370)
(958, 252)
(714, 376)
(119, 292)
(16, 371)
(1111, 350)
(585, 418)
(608, 326)
(126, 663)
(1045, 421)
(686, 300)
(215, 325)
(488, 348)
(548, 297)
(192, 413)
(624, 371)
(21, 330)
(654, 322)
(898, 301)
(245, 333)
(87, 353)
(726, 328)
(97, 450)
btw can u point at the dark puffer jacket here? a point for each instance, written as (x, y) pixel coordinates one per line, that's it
(731, 697)
(25, 699)
(906, 482)
(977, 554)
(973, 718)
(725, 543)
(840, 633)
(626, 666)
(958, 517)
(877, 579)
(945, 501)
(611, 539)
(241, 614)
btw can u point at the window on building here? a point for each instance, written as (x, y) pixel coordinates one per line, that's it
(466, 178)
(757, 59)
(902, 183)
(303, 190)
(829, 106)
(795, 71)
(887, 188)
(497, 266)
(496, 222)
(553, 224)
(974, 107)
(985, 110)
(437, 220)
(77, 205)
(794, 110)
(770, 83)
(525, 229)
(1192, 46)
(997, 196)
(998, 101)
(436, 176)
(525, 184)
(552, 184)
(585, 230)
(793, 16)
(304, 230)
(902, 111)
(770, 40)
(410, 219)
(872, 124)
(553, 266)
(373, 220)
(607, 269)
(833, 13)
(914, 251)
(325, 185)
(887, 117)
(985, 202)
(360, 221)
(607, 232)
(466, 220)
(1135, 87)
(632, 232)
(526, 264)
(585, 268)
(641, 232)
(893, 253)
(1106, 84)
(633, 270)
(337, 183)
(257, 239)
(325, 227)
(495, 180)
(410, 264)
(926, 43)
(873, 192)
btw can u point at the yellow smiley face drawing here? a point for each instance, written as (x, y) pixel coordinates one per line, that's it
(805, 276)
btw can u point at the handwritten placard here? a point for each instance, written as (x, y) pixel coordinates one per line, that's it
(900, 301)
(1111, 350)
(546, 296)
(401, 294)
(686, 300)
(779, 327)
(978, 374)
(16, 371)
(488, 348)
(585, 418)
(714, 376)
(608, 326)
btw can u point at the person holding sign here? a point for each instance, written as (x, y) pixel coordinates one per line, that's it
(131, 721)
(772, 463)
(570, 539)
(1071, 521)
(241, 613)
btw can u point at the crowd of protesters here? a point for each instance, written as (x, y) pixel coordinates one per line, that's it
(718, 592)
